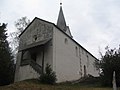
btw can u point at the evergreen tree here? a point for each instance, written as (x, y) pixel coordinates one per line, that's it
(6, 58)
(109, 63)
(49, 77)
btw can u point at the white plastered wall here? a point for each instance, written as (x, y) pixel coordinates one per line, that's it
(66, 63)
(48, 58)
(27, 72)
(88, 60)
(17, 66)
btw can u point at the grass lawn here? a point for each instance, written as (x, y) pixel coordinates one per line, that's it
(35, 85)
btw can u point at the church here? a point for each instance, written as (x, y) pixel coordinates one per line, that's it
(43, 42)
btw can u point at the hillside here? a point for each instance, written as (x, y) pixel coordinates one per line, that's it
(35, 85)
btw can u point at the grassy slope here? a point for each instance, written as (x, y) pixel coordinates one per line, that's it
(35, 85)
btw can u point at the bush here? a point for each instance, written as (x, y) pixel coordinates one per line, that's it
(49, 77)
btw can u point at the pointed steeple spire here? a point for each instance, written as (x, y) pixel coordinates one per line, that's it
(61, 23)
(61, 20)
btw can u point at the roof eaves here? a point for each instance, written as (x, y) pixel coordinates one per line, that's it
(60, 30)
(75, 41)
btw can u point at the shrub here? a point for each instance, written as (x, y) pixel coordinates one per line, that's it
(49, 77)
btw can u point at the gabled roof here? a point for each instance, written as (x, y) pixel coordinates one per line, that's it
(32, 22)
(60, 30)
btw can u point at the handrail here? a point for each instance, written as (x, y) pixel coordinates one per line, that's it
(33, 64)
(36, 66)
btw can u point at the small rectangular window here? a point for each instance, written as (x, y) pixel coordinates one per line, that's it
(82, 51)
(76, 51)
(66, 41)
(88, 61)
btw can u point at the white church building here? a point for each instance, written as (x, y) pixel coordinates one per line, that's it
(43, 42)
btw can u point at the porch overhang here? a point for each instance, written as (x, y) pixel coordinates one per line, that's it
(40, 43)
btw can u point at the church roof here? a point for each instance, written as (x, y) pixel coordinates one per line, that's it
(60, 30)
(61, 23)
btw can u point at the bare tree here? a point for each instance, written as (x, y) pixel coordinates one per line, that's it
(20, 25)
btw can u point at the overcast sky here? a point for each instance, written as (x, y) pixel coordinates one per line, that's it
(93, 23)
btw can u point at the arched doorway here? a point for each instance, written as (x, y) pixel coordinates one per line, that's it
(85, 71)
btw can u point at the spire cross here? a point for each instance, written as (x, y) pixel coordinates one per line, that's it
(60, 2)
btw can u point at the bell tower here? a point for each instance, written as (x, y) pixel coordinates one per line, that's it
(61, 23)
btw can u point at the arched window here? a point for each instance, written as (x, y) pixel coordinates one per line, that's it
(88, 61)
(82, 51)
(76, 49)
(66, 41)
(84, 70)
